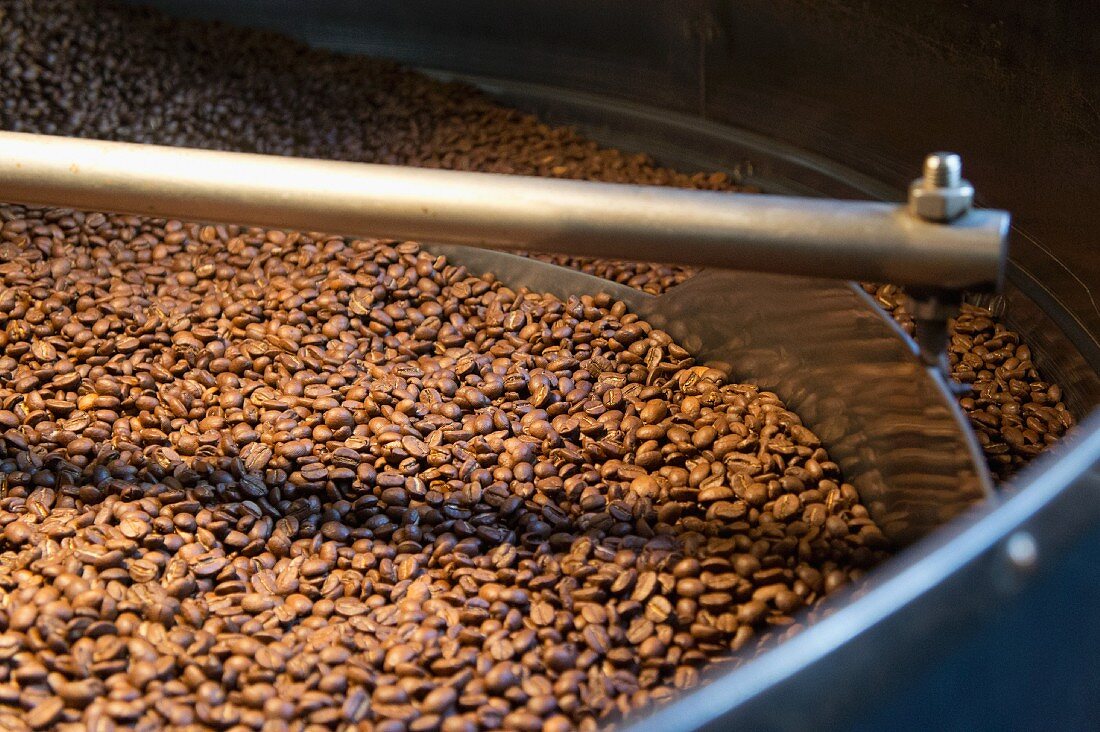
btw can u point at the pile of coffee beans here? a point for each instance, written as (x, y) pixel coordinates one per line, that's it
(1013, 410)
(64, 71)
(892, 299)
(266, 478)
(91, 69)
(88, 69)
(282, 480)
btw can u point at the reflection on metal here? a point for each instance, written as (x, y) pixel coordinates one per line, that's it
(1022, 551)
(517, 271)
(866, 240)
(889, 423)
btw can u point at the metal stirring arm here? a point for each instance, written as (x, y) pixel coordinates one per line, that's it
(937, 241)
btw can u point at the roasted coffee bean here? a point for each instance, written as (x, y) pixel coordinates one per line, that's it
(439, 700)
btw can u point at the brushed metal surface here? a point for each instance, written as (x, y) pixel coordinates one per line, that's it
(867, 240)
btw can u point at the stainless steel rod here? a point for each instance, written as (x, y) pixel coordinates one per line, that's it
(799, 236)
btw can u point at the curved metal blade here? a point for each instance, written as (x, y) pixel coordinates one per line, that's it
(836, 360)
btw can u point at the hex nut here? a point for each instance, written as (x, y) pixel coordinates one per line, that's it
(940, 204)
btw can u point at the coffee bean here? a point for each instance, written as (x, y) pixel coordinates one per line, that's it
(134, 528)
(542, 613)
(45, 713)
(658, 609)
(356, 706)
(597, 639)
(645, 585)
(786, 506)
(654, 411)
(339, 417)
(439, 700)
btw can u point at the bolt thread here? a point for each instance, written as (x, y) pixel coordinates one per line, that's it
(942, 170)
